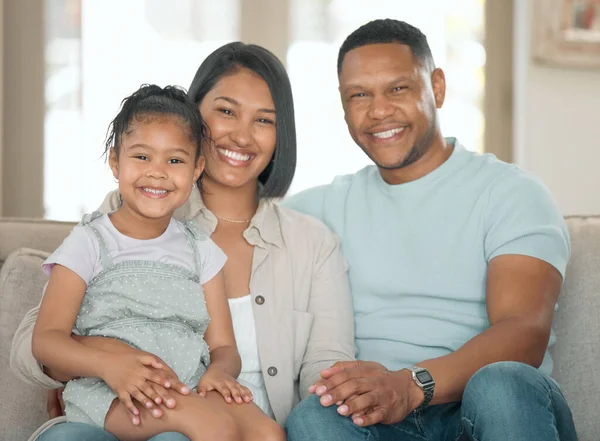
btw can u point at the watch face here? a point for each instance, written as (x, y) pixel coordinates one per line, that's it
(424, 377)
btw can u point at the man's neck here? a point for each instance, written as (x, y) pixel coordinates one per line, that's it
(435, 156)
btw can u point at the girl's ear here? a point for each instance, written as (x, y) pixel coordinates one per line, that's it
(113, 162)
(199, 168)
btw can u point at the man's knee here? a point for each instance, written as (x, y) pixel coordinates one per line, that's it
(308, 417)
(504, 387)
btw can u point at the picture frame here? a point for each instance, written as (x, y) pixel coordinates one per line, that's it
(566, 33)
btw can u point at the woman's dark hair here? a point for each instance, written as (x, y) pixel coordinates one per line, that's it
(388, 31)
(151, 101)
(228, 59)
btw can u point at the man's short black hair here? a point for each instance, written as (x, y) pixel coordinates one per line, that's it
(388, 31)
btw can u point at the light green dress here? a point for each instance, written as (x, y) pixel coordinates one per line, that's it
(152, 306)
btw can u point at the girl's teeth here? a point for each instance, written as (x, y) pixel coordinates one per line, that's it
(234, 155)
(388, 133)
(153, 191)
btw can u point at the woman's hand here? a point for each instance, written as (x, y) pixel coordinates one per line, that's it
(225, 384)
(55, 404)
(130, 375)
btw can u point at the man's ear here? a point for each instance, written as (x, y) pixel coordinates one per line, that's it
(113, 162)
(438, 84)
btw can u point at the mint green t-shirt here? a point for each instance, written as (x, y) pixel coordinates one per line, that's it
(418, 252)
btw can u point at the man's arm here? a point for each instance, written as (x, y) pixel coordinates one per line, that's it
(521, 294)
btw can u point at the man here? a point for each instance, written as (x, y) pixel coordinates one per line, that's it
(456, 262)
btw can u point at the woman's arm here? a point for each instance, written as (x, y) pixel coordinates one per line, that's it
(332, 334)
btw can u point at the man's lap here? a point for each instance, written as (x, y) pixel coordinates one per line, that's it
(86, 432)
(488, 397)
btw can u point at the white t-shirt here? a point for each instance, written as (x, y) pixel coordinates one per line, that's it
(80, 251)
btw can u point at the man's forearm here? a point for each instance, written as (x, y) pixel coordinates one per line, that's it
(512, 339)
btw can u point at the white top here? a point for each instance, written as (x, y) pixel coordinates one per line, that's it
(80, 251)
(251, 374)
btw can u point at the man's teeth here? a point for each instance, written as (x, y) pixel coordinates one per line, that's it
(155, 191)
(234, 155)
(388, 133)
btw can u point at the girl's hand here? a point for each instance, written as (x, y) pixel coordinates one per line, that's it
(130, 375)
(225, 384)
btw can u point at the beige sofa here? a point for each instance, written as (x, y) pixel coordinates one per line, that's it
(577, 322)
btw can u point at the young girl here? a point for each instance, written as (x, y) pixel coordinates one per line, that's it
(141, 277)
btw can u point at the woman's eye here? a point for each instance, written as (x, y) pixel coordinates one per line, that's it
(226, 111)
(141, 157)
(265, 121)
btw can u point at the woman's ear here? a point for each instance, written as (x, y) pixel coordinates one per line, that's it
(113, 162)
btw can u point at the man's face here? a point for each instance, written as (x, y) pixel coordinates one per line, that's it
(390, 102)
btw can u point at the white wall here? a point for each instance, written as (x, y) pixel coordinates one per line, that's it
(557, 124)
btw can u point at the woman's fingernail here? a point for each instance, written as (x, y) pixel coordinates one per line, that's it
(148, 404)
(184, 390)
(171, 402)
(167, 384)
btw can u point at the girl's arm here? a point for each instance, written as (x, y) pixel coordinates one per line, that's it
(225, 362)
(52, 344)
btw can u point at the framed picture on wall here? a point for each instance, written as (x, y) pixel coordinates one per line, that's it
(566, 32)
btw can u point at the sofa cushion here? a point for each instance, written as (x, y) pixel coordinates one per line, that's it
(22, 407)
(577, 324)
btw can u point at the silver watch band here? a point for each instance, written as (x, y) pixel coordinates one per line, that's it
(425, 381)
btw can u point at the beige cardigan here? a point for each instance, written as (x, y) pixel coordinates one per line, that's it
(301, 301)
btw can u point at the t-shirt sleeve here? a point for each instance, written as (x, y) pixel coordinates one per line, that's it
(79, 252)
(309, 202)
(212, 260)
(523, 218)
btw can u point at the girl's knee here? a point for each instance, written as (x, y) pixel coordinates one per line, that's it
(221, 426)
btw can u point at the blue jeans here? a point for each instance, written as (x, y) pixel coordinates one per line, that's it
(87, 432)
(505, 401)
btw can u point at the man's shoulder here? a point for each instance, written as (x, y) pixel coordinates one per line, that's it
(314, 201)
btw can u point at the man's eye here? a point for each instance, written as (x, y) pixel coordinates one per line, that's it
(358, 95)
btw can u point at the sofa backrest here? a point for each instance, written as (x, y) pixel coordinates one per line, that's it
(577, 325)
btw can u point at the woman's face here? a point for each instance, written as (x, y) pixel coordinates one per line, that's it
(240, 113)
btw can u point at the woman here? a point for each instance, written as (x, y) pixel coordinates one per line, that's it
(285, 276)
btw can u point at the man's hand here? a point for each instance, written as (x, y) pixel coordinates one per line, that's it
(55, 405)
(368, 392)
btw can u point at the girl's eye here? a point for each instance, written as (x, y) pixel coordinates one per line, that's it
(175, 161)
(141, 157)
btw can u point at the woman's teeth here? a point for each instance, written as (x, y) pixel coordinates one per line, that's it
(154, 191)
(387, 133)
(233, 155)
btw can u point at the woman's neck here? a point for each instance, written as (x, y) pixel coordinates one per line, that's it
(238, 203)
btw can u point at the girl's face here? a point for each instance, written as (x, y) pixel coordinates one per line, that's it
(156, 166)
(240, 114)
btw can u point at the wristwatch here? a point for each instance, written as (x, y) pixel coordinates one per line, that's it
(425, 381)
